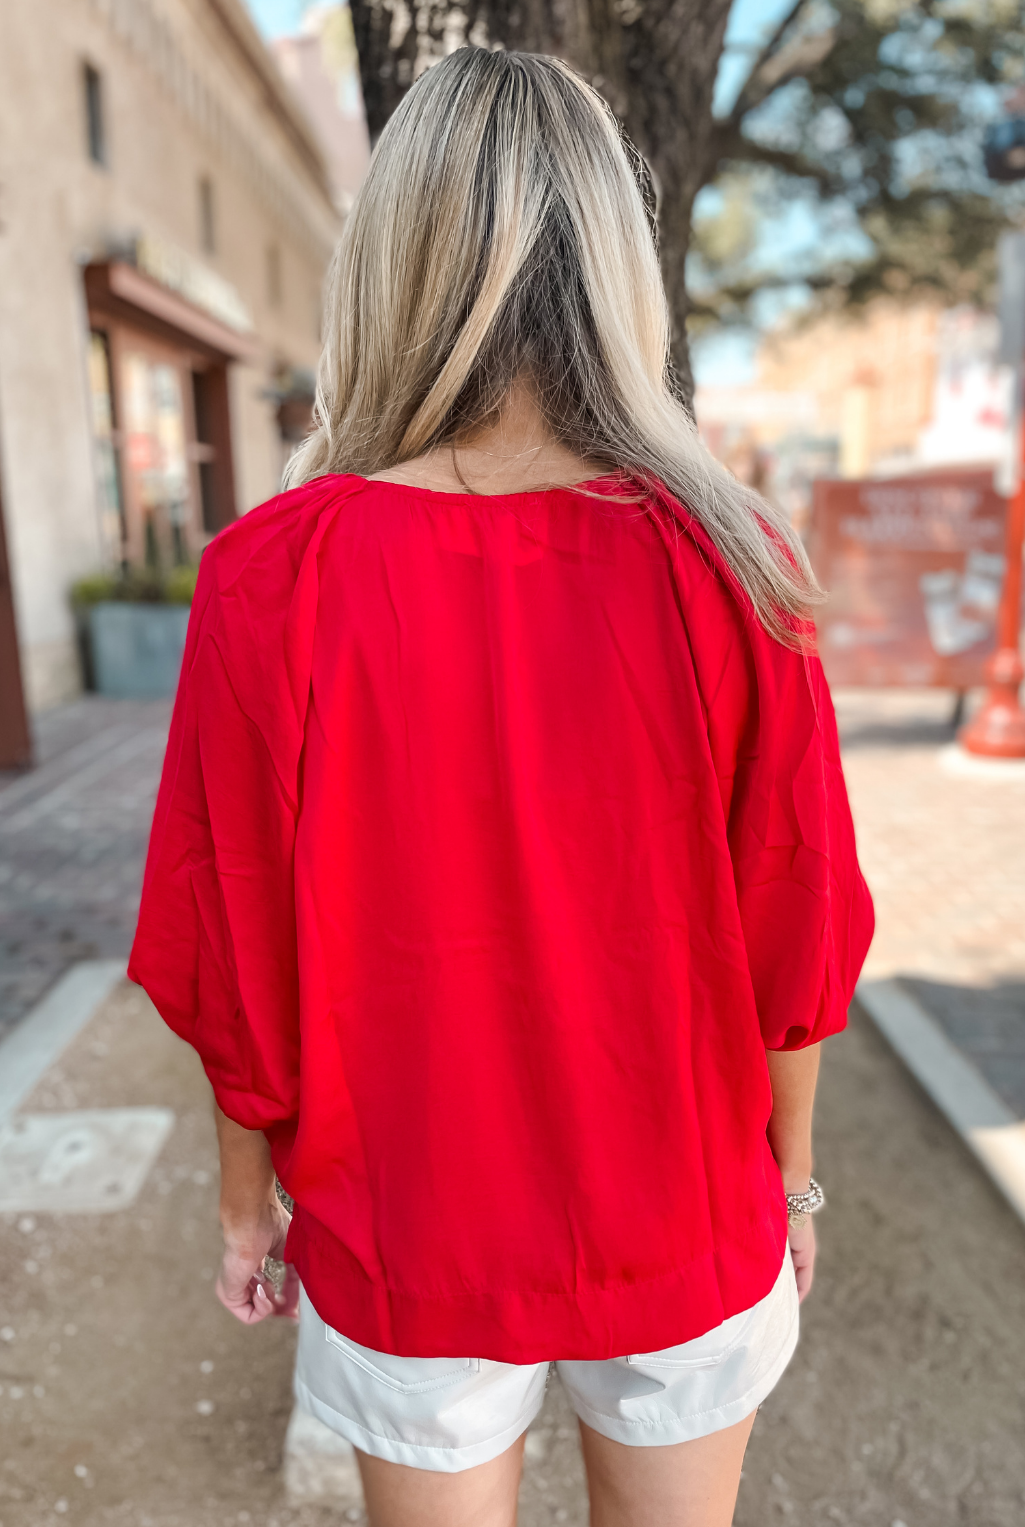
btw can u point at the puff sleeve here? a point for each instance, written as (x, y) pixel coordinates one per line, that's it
(215, 946)
(804, 906)
(805, 910)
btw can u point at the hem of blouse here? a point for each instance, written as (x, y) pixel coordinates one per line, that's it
(585, 1323)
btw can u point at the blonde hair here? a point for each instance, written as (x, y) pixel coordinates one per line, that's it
(501, 233)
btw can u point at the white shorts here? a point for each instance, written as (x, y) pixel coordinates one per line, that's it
(451, 1413)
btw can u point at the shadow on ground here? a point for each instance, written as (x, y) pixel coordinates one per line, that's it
(899, 718)
(987, 1023)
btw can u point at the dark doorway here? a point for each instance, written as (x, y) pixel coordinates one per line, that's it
(15, 740)
(212, 450)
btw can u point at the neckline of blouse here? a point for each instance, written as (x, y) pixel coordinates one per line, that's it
(589, 484)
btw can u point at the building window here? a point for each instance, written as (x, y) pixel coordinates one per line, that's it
(106, 441)
(95, 137)
(207, 229)
(274, 276)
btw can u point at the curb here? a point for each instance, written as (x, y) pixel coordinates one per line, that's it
(994, 1135)
(29, 1051)
(954, 759)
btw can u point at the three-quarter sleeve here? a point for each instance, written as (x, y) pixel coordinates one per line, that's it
(805, 910)
(215, 946)
(804, 906)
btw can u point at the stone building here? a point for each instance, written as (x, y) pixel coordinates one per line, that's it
(321, 65)
(165, 224)
(871, 373)
(885, 390)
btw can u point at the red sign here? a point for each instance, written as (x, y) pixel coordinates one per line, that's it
(141, 451)
(913, 567)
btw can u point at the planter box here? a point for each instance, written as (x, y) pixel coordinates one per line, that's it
(137, 649)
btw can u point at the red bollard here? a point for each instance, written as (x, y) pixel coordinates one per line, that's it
(997, 730)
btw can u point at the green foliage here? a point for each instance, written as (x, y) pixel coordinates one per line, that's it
(136, 586)
(729, 236)
(180, 584)
(872, 112)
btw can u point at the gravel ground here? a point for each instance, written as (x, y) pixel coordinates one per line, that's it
(905, 1402)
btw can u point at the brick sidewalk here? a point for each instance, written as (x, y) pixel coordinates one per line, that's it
(73, 835)
(944, 855)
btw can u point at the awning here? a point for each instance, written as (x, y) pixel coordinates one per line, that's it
(115, 287)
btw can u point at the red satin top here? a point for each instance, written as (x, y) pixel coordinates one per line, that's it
(496, 840)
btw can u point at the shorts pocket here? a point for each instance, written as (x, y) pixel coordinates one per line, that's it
(406, 1375)
(706, 1351)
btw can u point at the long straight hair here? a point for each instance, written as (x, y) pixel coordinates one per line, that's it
(501, 233)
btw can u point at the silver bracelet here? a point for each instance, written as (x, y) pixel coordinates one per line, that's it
(800, 1205)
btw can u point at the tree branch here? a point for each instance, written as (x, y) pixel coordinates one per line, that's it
(733, 147)
(743, 104)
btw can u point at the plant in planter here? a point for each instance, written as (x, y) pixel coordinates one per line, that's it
(132, 628)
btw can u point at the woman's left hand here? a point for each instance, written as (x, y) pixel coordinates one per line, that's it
(242, 1285)
(802, 1252)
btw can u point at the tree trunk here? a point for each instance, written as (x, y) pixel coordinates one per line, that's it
(655, 62)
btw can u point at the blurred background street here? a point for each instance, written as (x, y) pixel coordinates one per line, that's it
(846, 276)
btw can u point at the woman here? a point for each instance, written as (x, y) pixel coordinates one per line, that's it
(502, 872)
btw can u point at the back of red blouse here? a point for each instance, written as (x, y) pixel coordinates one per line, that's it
(496, 841)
